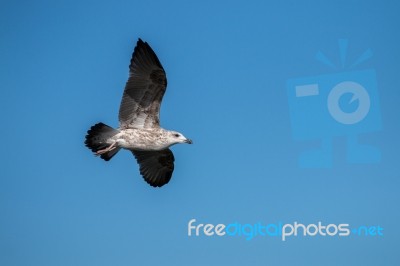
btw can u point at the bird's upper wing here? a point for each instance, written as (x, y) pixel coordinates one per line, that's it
(144, 90)
(156, 167)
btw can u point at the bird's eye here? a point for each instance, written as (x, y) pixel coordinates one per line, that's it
(176, 135)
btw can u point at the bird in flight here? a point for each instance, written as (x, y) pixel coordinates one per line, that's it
(139, 121)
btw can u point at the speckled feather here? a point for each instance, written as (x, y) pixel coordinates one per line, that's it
(139, 117)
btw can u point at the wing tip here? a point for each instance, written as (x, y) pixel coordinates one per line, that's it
(145, 50)
(140, 41)
(160, 181)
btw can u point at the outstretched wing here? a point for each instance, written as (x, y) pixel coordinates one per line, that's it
(156, 167)
(140, 105)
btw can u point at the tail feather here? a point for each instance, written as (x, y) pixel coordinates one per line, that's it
(96, 139)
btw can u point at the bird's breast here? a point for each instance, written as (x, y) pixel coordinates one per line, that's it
(136, 139)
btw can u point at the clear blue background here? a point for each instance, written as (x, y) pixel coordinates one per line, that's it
(63, 66)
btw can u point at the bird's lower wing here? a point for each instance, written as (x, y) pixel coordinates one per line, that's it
(156, 167)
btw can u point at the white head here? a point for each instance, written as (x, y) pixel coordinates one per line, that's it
(176, 137)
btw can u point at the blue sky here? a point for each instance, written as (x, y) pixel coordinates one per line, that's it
(63, 68)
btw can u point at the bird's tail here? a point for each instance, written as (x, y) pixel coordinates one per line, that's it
(96, 140)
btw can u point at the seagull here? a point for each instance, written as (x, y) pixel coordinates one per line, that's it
(139, 121)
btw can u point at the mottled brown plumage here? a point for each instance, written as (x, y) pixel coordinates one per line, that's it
(139, 121)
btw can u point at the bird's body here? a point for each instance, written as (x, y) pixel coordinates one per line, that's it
(139, 129)
(143, 139)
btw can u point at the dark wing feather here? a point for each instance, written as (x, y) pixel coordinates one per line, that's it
(156, 167)
(140, 105)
